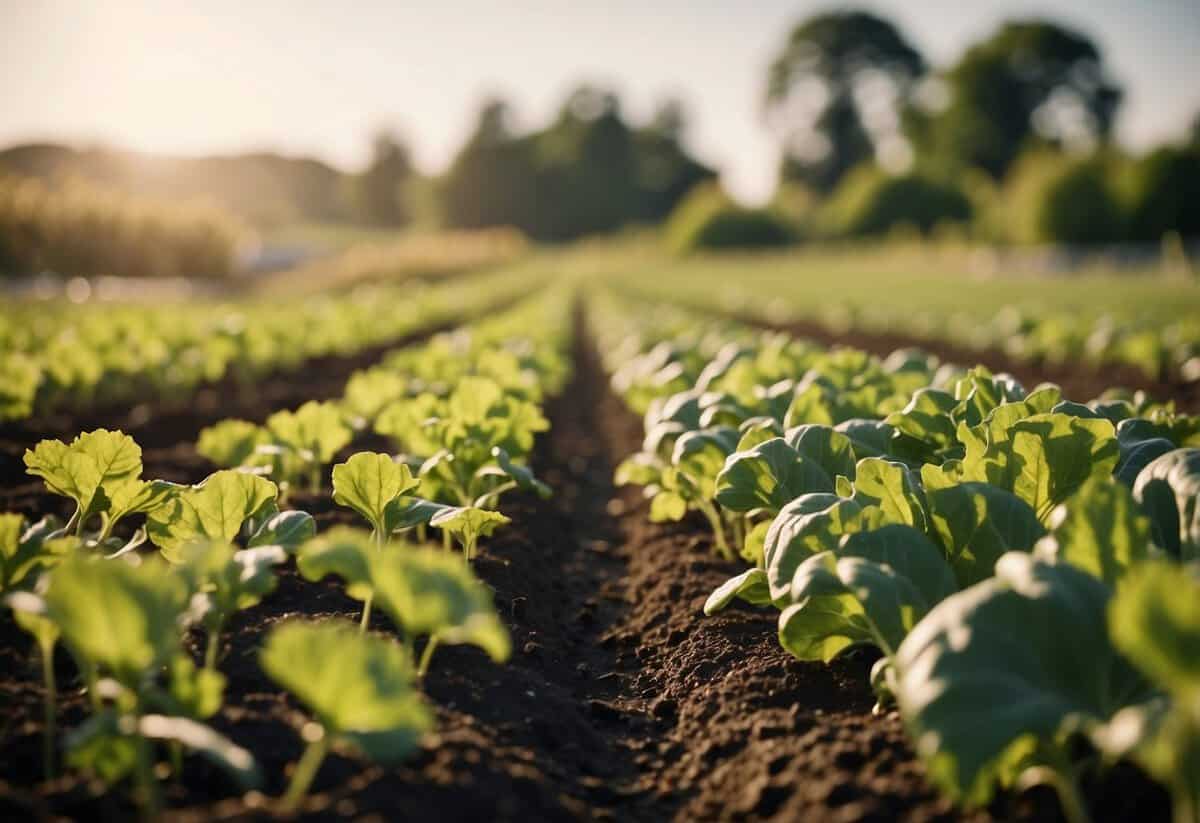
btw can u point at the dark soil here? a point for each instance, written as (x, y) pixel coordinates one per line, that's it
(622, 701)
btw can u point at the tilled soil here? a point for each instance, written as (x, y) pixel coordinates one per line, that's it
(622, 701)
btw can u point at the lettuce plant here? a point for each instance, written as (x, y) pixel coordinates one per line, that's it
(305, 440)
(359, 688)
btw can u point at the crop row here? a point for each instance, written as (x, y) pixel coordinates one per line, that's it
(1147, 324)
(462, 410)
(71, 357)
(1027, 566)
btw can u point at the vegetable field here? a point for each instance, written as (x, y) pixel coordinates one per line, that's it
(597, 536)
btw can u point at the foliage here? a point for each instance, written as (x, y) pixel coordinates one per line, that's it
(835, 57)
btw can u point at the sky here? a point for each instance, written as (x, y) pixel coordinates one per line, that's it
(317, 77)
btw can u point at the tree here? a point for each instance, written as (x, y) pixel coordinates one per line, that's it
(835, 92)
(1030, 81)
(379, 190)
(587, 172)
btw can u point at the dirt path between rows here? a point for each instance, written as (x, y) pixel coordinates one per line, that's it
(621, 702)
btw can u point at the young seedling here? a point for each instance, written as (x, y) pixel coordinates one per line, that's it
(467, 524)
(359, 688)
(312, 435)
(121, 623)
(225, 581)
(429, 594)
(101, 472)
(213, 510)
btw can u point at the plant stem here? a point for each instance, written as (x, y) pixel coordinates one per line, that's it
(212, 648)
(314, 479)
(366, 613)
(49, 704)
(147, 786)
(306, 770)
(714, 520)
(426, 656)
(1062, 779)
(446, 541)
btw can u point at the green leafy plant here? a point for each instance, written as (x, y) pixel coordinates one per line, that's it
(359, 689)
(101, 471)
(27, 551)
(425, 592)
(224, 581)
(1154, 620)
(122, 624)
(215, 509)
(1039, 692)
(305, 440)
(1169, 491)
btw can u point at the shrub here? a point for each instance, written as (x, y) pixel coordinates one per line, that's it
(708, 219)
(1054, 198)
(1163, 191)
(869, 201)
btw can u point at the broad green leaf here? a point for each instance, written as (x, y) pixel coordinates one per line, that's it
(25, 552)
(1154, 620)
(429, 592)
(1042, 459)
(227, 580)
(810, 524)
(214, 510)
(909, 553)
(639, 469)
(231, 443)
(1169, 491)
(927, 417)
(841, 602)
(360, 687)
(120, 617)
(977, 523)
(406, 512)
(768, 476)
(368, 482)
(194, 692)
(829, 448)
(1100, 529)
(340, 551)
(29, 611)
(1006, 666)
(750, 585)
(317, 428)
(285, 529)
(667, 507)
(468, 521)
(891, 487)
(869, 438)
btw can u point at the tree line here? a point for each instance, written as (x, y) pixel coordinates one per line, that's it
(1011, 143)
